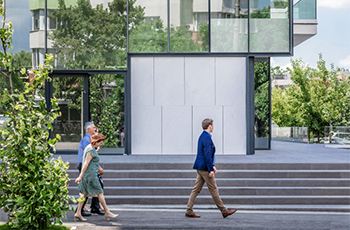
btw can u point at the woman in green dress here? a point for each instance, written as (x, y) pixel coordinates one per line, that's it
(88, 181)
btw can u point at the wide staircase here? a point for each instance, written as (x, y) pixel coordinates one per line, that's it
(250, 186)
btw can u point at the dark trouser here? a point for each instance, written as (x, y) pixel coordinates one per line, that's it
(95, 204)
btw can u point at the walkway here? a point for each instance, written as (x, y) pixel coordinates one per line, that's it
(281, 152)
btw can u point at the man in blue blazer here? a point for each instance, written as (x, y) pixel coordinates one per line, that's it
(205, 165)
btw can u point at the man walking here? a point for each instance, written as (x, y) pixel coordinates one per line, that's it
(205, 165)
(90, 130)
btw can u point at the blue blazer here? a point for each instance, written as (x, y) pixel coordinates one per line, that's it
(205, 153)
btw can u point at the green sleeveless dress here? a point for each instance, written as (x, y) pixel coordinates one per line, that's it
(90, 184)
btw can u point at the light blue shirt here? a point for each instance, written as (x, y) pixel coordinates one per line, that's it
(209, 133)
(82, 145)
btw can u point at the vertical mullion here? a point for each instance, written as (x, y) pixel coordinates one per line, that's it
(86, 101)
(248, 26)
(209, 28)
(168, 8)
(291, 17)
(127, 27)
(270, 119)
(45, 16)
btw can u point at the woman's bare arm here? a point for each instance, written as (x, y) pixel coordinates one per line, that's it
(86, 164)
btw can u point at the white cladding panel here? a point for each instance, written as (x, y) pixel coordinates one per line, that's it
(230, 81)
(199, 114)
(235, 134)
(146, 129)
(170, 96)
(177, 129)
(169, 85)
(142, 90)
(199, 81)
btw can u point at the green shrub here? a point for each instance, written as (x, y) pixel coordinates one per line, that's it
(34, 188)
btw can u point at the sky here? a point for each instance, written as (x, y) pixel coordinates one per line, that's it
(332, 38)
(17, 12)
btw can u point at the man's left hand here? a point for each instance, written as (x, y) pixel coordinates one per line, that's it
(215, 170)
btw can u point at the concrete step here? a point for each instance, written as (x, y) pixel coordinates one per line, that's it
(258, 208)
(229, 191)
(229, 200)
(222, 174)
(224, 182)
(221, 166)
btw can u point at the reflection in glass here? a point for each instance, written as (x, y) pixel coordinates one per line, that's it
(148, 31)
(189, 26)
(262, 104)
(269, 26)
(229, 25)
(90, 34)
(304, 9)
(68, 125)
(107, 108)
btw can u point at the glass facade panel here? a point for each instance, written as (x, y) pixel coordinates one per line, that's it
(69, 125)
(148, 23)
(189, 26)
(88, 34)
(262, 103)
(229, 26)
(107, 110)
(304, 9)
(269, 26)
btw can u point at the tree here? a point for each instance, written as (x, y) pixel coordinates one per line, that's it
(316, 99)
(261, 98)
(107, 105)
(93, 38)
(19, 59)
(34, 189)
(152, 37)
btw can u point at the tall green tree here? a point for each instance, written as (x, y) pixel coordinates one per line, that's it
(19, 59)
(316, 99)
(93, 38)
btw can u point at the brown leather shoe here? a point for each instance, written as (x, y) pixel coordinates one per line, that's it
(229, 212)
(192, 215)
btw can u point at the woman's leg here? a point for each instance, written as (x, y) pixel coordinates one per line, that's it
(102, 200)
(108, 214)
(80, 206)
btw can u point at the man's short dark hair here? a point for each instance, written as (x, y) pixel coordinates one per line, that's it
(206, 122)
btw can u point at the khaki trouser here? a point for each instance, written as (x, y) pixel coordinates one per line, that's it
(203, 176)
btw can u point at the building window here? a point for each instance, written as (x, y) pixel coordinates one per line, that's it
(269, 26)
(229, 26)
(36, 20)
(52, 21)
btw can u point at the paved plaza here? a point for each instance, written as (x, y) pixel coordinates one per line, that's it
(173, 217)
(281, 152)
(138, 218)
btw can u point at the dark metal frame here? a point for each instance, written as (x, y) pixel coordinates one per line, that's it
(85, 74)
(267, 59)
